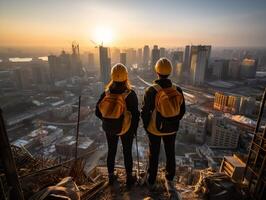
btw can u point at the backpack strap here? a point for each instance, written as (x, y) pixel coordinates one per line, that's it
(157, 87)
(174, 86)
(126, 93)
(107, 91)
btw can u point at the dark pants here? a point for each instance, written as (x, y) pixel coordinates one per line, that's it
(127, 140)
(169, 147)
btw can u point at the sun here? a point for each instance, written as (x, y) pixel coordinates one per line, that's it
(103, 34)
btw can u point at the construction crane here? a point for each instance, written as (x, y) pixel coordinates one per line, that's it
(101, 45)
(96, 44)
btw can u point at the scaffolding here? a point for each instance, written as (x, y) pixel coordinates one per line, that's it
(255, 172)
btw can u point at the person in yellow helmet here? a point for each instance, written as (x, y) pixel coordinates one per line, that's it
(163, 108)
(118, 110)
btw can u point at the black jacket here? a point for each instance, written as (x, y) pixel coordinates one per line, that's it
(131, 102)
(149, 101)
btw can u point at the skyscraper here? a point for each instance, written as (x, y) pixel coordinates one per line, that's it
(186, 65)
(76, 64)
(22, 78)
(40, 75)
(225, 70)
(187, 59)
(115, 55)
(105, 64)
(248, 68)
(146, 55)
(155, 55)
(123, 58)
(131, 56)
(199, 62)
(139, 56)
(234, 69)
(177, 56)
(91, 60)
(217, 67)
(162, 52)
(55, 67)
(65, 65)
(177, 62)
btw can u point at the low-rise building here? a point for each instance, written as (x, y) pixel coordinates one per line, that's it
(47, 134)
(66, 147)
(194, 125)
(224, 134)
(62, 111)
(226, 103)
(40, 138)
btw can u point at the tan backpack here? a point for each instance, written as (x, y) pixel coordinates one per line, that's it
(164, 120)
(113, 107)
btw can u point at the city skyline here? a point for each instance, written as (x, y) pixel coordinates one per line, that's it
(127, 23)
(77, 76)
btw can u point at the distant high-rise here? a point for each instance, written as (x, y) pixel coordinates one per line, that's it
(234, 69)
(155, 55)
(91, 60)
(248, 68)
(186, 65)
(220, 69)
(105, 64)
(139, 56)
(199, 62)
(123, 58)
(115, 55)
(40, 75)
(134, 56)
(146, 55)
(65, 65)
(76, 64)
(177, 62)
(55, 67)
(22, 78)
(131, 56)
(225, 70)
(217, 67)
(162, 52)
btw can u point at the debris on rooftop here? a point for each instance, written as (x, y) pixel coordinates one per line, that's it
(217, 185)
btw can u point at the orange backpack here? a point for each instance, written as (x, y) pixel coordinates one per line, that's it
(164, 120)
(114, 109)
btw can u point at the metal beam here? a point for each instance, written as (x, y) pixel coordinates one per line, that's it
(256, 128)
(9, 163)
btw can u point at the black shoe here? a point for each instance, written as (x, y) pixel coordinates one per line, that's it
(130, 181)
(153, 187)
(112, 179)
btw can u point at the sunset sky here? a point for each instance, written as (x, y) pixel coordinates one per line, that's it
(133, 23)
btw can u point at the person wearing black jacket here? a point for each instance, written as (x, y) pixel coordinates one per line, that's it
(119, 85)
(163, 68)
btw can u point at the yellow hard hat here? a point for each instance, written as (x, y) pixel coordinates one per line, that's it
(119, 73)
(163, 66)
